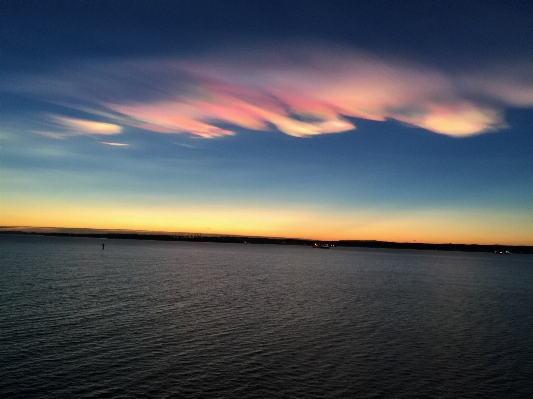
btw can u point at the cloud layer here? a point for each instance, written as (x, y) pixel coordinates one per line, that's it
(300, 89)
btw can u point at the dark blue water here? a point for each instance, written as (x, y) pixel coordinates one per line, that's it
(201, 320)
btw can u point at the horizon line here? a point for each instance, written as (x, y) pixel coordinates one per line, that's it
(183, 234)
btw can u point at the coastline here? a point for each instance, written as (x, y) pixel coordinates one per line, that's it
(496, 248)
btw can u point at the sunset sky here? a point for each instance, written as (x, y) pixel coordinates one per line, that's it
(373, 120)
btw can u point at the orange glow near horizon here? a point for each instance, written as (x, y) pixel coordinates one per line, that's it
(431, 226)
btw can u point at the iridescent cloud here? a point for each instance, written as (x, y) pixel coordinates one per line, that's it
(83, 126)
(60, 127)
(301, 90)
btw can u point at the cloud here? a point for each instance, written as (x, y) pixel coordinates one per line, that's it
(113, 144)
(60, 127)
(331, 83)
(50, 135)
(82, 126)
(510, 84)
(301, 89)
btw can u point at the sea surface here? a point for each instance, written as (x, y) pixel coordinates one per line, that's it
(148, 319)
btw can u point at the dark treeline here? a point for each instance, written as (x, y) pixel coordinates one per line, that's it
(515, 249)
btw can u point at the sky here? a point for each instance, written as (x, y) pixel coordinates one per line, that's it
(407, 121)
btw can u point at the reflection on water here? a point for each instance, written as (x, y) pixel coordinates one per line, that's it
(199, 320)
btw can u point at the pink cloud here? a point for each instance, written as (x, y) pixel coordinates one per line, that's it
(301, 90)
(170, 117)
(324, 84)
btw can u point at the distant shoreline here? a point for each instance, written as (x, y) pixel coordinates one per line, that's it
(499, 249)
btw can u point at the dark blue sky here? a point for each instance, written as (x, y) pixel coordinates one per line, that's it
(452, 31)
(390, 120)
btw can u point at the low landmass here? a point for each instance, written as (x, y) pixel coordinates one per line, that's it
(122, 235)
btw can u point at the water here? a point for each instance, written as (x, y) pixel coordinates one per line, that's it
(204, 320)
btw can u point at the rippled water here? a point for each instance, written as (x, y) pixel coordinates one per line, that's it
(203, 320)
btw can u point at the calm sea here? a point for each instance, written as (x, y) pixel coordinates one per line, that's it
(144, 319)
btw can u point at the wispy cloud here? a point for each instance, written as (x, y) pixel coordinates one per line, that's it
(50, 135)
(60, 127)
(507, 83)
(301, 90)
(113, 144)
(83, 126)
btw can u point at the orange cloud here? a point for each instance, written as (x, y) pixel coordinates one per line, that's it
(460, 119)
